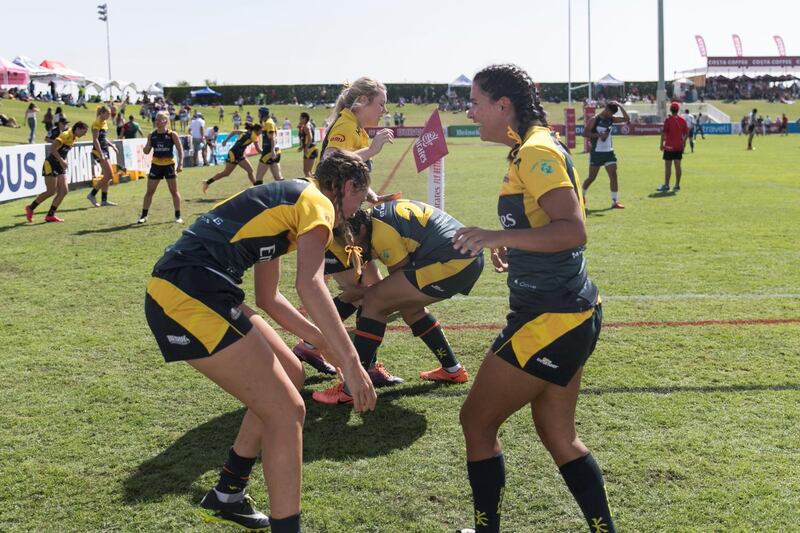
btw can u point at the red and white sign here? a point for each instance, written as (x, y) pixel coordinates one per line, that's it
(737, 44)
(431, 145)
(780, 45)
(701, 44)
(569, 122)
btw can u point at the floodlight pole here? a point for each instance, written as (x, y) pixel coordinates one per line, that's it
(108, 47)
(661, 92)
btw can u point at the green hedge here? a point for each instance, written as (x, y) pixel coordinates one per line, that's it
(430, 92)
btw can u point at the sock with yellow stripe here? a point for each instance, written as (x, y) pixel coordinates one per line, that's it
(488, 479)
(367, 339)
(233, 477)
(428, 329)
(585, 481)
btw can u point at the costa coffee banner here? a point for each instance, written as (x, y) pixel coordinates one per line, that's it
(431, 145)
(754, 61)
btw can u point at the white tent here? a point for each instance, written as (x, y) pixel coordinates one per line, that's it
(461, 81)
(155, 89)
(36, 72)
(610, 81)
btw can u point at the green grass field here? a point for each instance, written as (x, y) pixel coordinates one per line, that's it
(689, 403)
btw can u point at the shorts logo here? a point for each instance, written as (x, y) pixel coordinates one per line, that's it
(523, 284)
(181, 340)
(331, 261)
(265, 253)
(339, 138)
(546, 362)
(236, 312)
(438, 288)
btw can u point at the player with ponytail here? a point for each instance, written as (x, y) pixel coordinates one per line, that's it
(247, 136)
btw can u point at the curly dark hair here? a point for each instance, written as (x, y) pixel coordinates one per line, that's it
(342, 166)
(514, 83)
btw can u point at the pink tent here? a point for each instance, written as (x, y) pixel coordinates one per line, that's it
(11, 74)
(61, 70)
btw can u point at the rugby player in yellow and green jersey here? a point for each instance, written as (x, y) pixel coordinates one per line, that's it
(195, 310)
(414, 241)
(100, 155)
(539, 281)
(54, 171)
(162, 142)
(270, 152)
(246, 137)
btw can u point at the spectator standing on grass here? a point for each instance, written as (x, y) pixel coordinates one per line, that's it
(119, 123)
(197, 130)
(673, 142)
(387, 119)
(237, 120)
(784, 125)
(698, 127)
(30, 120)
(131, 129)
(397, 118)
(59, 115)
(767, 125)
(537, 361)
(752, 120)
(689, 118)
(287, 124)
(248, 119)
(49, 120)
(211, 143)
(221, 114)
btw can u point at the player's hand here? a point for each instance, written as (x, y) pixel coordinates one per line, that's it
(360, 386)
(384, 136)
(499, 259)
(376, 199)
(178, 169)
(472, 240)
(352, 293)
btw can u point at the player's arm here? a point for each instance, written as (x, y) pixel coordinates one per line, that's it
(149, 144)
(273, 139)
(179, 147)
(565, 231)
(587, 130)
(624, 118)
(313, 292)
(96, 144)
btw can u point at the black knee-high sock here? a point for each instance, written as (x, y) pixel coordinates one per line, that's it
(585, 481)
(428, 329)
(488, 480)
(344, 309)
(34, 205)
(144, 213)
(177, 213)
(258, 182)
(52, 211)
(235, 474)
(94, 191)
(210, 181)
(104, 196)
(290, 524)
(368, 337)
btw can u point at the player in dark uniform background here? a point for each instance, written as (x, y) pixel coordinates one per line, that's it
(602, 154)
(162, 141)
(247, 136)
(195, 310)
(413, 240)
(270, 152)
(538, 358)
(307, 143)
(55, 171)
(100, 155)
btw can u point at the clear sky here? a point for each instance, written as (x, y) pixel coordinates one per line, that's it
(313, 41)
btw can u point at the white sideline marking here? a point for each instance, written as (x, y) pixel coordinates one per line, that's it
(659, 297)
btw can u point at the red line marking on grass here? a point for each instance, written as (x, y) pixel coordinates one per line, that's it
(388, 179)
(665, 324)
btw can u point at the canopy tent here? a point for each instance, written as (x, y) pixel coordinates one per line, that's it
(204, 95)
(12, 74)
(62, 71)
(461, 81)
(97, 84)
(610, 81)
(155, 89)
(36, 72)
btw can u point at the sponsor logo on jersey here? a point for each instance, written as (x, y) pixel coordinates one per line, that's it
(339, 138)
(546, 362)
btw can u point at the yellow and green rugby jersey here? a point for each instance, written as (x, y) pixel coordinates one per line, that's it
(101, 127)
(254, 226)
(67, 140)
(346, 134)
(543, 280)
(246, 138)
(403, 229)
(269, 127)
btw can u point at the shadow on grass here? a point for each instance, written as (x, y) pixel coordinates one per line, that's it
(701, 389)
(329, 434)
(121, 227)
(3, 229)
(597, 212)
(667, 194)
(204, 200)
